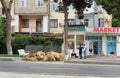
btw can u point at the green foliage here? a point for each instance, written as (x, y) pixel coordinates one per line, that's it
(6, 55)
(35, 40)
(54, 41)
(21, 41)
(112, 7)
(2, 35)
(116, 23)
(18, 42)
(79, 5)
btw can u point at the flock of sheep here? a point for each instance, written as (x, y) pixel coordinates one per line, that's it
(45, 56)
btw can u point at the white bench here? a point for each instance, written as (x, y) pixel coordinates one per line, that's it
(22, 52)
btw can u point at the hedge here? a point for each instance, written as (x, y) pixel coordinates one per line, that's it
(20, 41)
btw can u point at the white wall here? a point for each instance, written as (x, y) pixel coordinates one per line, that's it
(118, 49)
(90, 17)
(92, 9)
(118, 46)
(104, 46)
(16, 23)
(45, 23)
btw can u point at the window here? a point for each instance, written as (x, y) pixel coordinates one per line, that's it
(93, 38)
(111, 38)
(71, 22)
(77, 21)
(40, 3)
(22, 3)
(54, 23)
(70, 7)
(53, 6)
(86, 22)
(2, 11)
(25, 23)
(101, 22)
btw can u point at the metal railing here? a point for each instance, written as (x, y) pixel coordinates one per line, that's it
(36, 48)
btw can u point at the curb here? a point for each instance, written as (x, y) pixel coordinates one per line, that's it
(69, 61)
(7, 59)
(10, 58)
(93, 62)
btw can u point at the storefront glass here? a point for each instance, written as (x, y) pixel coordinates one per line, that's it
(95, 44)
(111, 44)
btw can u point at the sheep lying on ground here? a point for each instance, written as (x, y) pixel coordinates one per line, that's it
(42, 56)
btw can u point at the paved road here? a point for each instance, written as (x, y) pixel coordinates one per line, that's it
(60, 68)
(18, 75)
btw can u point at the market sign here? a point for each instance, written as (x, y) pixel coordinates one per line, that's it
(106, 30)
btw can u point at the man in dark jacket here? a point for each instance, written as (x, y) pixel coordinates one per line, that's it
(80, 51)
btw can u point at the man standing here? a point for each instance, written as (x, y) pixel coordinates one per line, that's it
(84, 50)
(80, 51)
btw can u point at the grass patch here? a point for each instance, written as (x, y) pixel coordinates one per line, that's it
(6, 55)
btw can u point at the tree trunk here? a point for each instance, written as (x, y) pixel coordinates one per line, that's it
(8, 34)
(65, 26)
(7, 10)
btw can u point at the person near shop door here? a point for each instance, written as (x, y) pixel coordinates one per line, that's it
(80, 51)
(84, 50)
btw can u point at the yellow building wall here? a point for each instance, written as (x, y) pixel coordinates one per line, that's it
(32, 23)
(60, 17)
(107, 18)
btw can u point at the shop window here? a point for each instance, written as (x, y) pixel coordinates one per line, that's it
(79, 39)
(70, 36)
(93, 38)
(25, 23)
(108, 37)
(71, 44)
(111, 38)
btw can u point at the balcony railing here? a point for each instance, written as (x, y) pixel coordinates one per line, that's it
(76, 27)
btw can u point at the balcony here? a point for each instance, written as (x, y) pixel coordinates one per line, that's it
(31, 8)
(76, 27)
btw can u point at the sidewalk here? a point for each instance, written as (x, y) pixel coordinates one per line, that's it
(109, 60)
(21, 75)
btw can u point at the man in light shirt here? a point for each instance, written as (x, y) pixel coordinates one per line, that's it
(84, 50)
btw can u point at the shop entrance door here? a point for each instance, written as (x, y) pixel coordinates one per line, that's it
(111, 47)
(95, 46)
(99, 48)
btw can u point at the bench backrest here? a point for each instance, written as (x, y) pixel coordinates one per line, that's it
(21, 52)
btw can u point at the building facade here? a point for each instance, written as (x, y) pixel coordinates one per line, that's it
(95, 30)
(98, 33)
(82, 31)
(31, 16)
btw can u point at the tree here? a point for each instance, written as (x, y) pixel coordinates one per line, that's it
(79, 5)
(112, 7)
(7, 9)
(2, 35)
